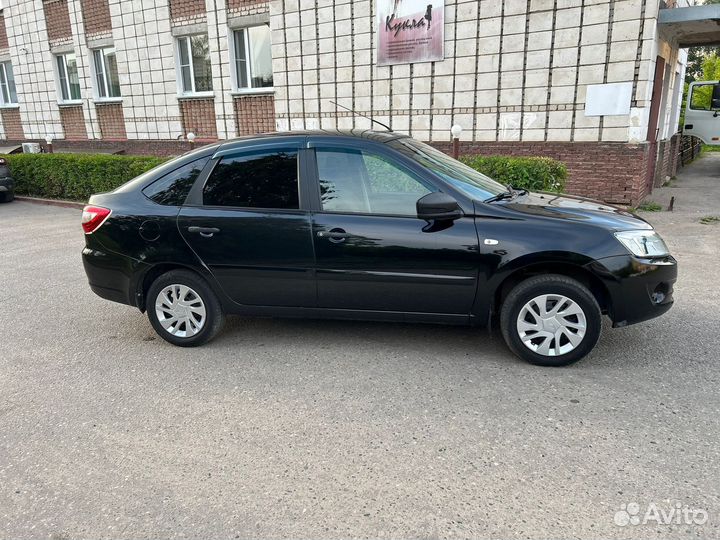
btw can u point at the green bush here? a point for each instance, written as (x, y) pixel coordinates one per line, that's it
(532, 173)
(74, 177)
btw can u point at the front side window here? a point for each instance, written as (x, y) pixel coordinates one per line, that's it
(705, 97)
(68, 77)
(355, 181)
(106, 73)
(263, 179)
(253, 58)
(471, 182)
(173, 188)
(8, 92)
(195, 67)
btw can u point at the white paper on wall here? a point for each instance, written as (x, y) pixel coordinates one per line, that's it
(608, 99)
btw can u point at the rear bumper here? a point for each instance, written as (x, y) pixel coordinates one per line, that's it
(112, 276)
(639, 289)
(7, 184)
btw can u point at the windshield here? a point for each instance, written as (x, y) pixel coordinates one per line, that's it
(471, 182)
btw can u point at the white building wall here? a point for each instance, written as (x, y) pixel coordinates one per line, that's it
(33, 67)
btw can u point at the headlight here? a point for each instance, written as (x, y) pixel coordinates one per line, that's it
(643, 243)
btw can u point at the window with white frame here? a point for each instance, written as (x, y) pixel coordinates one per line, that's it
(68, 79)
(195, 69)
(253, 58)
(8, 93)
(106, 73)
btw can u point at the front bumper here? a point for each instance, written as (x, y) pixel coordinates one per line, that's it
(639, 289)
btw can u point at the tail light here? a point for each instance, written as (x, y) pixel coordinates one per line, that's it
(93, 217)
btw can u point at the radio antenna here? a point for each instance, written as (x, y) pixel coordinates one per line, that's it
(363, 115)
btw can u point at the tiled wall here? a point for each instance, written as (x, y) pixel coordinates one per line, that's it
(514, 69)
(181, 9)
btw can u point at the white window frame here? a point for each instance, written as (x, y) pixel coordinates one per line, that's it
(70, 100)
(4, 77)
(237, 89)
(178, 62)
(105, 78)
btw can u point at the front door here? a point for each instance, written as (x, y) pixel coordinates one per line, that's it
(372, 251)
(250, 230)
(702, 112)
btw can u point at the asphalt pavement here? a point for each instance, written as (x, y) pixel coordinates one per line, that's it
(317, 429)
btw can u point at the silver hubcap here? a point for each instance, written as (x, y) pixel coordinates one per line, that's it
(551, 325)
(180, 310)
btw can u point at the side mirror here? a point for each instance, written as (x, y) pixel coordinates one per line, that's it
(438, 206)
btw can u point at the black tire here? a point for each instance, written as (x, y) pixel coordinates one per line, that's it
(214, 316)
(7, 196)
(533, 287)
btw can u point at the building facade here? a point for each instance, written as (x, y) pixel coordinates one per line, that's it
(594, 83)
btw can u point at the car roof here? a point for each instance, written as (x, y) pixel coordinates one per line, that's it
(364, 134)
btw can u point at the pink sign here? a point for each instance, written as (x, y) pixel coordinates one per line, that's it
(410, 31)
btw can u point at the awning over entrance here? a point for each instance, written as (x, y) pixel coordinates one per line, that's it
(692, 26)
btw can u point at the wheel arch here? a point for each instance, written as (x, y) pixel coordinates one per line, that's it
(568, 269)
(157, 270)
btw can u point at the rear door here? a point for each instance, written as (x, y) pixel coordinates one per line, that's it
(248, 226)
(372, 251)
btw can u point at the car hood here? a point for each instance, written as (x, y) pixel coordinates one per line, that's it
(576, 209)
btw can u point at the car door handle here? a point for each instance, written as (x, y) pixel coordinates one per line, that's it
(334, 235)
(205, 232)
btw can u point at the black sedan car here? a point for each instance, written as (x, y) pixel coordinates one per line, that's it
(7, 184)
(370, 226)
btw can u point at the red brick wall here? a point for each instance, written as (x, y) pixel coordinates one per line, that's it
(186, 8)
(3, 32)
(96, 15)
(198, 117)
(73, 123)
(57, 18)
(112, 121)
(612, 172)
(243, 4)
(12, 124)
(255, 114)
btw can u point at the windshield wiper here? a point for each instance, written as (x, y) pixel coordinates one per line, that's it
(511, 193)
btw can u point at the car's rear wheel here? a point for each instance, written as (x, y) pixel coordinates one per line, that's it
(7, 196)
(550, 320)
(183, 309)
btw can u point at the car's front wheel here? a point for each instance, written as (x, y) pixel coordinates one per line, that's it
(183, 309)
(550, 320)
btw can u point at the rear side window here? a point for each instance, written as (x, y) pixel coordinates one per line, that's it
(173, 188)
(267, 179)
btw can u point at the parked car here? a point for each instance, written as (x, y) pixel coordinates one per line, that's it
(371, 226)
(7, 184)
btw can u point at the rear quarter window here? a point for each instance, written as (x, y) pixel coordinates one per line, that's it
(173, 188)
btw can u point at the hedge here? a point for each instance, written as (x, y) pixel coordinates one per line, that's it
(532, 173)
(74, 177)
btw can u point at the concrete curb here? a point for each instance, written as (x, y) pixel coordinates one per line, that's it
(51, 202)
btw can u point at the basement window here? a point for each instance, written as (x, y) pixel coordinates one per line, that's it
(253, 59)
